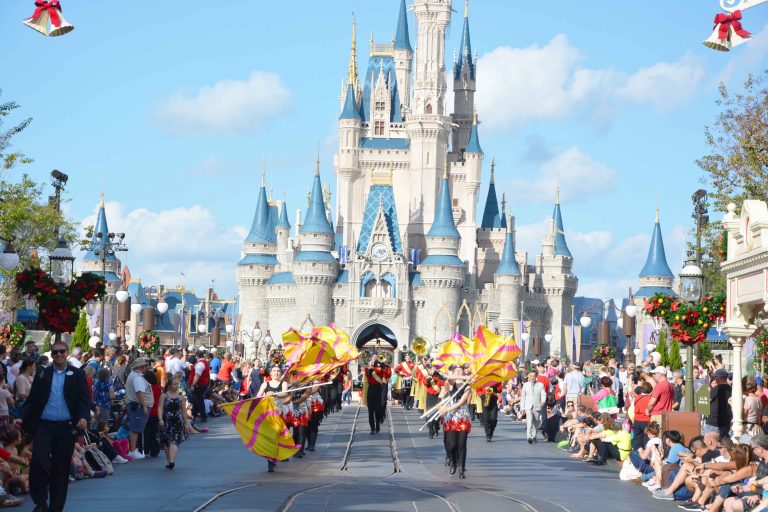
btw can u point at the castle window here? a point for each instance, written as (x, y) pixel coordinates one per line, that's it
(429, 108)
(378, 128)
(380, 105)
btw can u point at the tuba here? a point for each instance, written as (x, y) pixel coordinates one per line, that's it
(420, 346)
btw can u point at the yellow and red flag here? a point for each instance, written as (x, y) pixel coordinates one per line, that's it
(493, 357)
(261, 428)
(453, 351)
(313, 355)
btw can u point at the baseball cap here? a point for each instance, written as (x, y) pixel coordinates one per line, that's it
(721, 372)
(535, 361)
(659, 369)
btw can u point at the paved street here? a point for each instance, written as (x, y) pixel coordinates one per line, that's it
(214, 472)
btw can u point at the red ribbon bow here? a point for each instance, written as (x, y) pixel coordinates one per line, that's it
(730, 20)
(53, 9)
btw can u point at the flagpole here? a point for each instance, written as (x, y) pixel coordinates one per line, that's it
(302, 388)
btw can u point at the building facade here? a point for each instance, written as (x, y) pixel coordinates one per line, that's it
(404, 253)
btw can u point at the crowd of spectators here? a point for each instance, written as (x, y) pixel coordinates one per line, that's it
(612, 414)
(140, 406)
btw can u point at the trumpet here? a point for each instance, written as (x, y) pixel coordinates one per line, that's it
(420, 347)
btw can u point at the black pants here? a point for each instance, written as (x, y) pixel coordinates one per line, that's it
(606, 449)
(489, 423)
(333, 397)
(339, 391)
(639, 437)
(375, 406)
(407, 399)
(313, 429)
(456, 446)
(150, 441)
(52, 450)
(198, 402)
(300, 436)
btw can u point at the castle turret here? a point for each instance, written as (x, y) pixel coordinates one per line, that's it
(314, 268)
(283, 235)
(258, 262)
(490, 236)
(656, 275)
(507, 281)
(473, 165)
(442, 271)
(92, 263)
(464, 87)
(403, 55)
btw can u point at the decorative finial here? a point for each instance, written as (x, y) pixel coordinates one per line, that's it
(263, 172)
(352, 69)
(557, 189)
(493, 169)
(466, 8)
(101, 205)
(657, 215)
(509, 222)
(445, 173)
(317, 162)
(503, 202)
(474, 115)
(309, 198)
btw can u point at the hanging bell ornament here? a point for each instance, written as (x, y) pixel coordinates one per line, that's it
(48, 19)
(728, 32)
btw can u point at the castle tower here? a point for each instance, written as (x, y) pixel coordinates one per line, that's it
(464, 87)
(283, 236)
(507, 281)
(467, 192)
(314, 268)
(442, 271)
(655, 277)
(258, 262)
(557, 280)
(92, 263)
(491, 236)
(403, 55)
(427, 127)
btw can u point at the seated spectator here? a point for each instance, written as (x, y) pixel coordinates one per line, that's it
(732, 458)
(644, 457)
(672, 449)
(605, 399)
(746, 496)
(616, 443)
(684, 475)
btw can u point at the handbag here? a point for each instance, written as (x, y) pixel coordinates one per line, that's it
(666, 474)
(629, 471)
(96, 457)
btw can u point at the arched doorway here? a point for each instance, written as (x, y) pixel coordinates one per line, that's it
(375, 337)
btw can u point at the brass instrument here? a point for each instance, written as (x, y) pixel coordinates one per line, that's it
(420, 347)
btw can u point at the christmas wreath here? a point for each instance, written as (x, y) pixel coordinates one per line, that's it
(277, 357)
(688, 323)
(603, 353)
(148, 341)
(60, 306)
(12, 335)
(761, 346)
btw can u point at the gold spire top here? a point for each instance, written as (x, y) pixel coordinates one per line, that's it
(101, 204)
(474, 115)
(657, 215)
(352, 69)
(263, 172)
(466, 8)
(309, 198)
(445, 172)
(493, 169)
(557, 190)
(317, 162)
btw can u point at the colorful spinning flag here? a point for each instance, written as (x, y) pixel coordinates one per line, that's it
(453, 351)
(261, 428)
(492, 358)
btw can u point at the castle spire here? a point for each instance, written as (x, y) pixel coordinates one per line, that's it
(261, 231)
(444, 225)
(316, 220)
(491, 218)
(561, 247)
(503, 211)
(508, 265)
(656, 263)
(473, 145)
(352, 68)
(402, 40)
(283, 223)
(101, 234)
(317, 162)
(465, 48)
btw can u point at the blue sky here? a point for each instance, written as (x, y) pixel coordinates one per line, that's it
(169, 108)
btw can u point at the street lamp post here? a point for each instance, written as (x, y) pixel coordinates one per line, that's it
(62, 265)
(691, 289)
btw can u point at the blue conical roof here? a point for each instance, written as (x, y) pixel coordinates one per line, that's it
(443, 225)
(350, 109)
(465, 49)
(561, 248)
(656, 264)
(491, 218)
(508, 265)
(260, 229)
(316, 220)
(402, 40)
(473, 145)
(97, 241)
(283, 223)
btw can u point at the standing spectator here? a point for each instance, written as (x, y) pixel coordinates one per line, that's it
(103, 394)
(74, 359)
(14, 365)
(642, 418)
(346, 395)
(199, 379)
(97, 360)
(225, 372)
(255, 378)
(24, 381)
(574, 380)
(6, 403)
(150, 438)
(532, 401)
(138, 396)
(677, 386)
(215, 364)
(753, 407)
(586, 382)
(58, 401)
(662, 396)
(173, 420)
(720, 414)
(30, 351)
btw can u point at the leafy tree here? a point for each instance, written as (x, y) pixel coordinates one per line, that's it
(705, 352)
(47, 342)
(661, 348)
(80, 336)
(10, 159)
(675, 360)
(736, 167)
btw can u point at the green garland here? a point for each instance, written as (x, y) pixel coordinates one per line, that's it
(723, 250)
(761, 346)
(12, 335)
(603, 353)
(688, 323)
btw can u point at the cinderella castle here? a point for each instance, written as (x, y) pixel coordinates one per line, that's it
(404, 253)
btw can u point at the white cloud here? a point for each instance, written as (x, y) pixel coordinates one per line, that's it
(227, 106)
(579, 176)
(162, 244)
(745, 59)
(522, 85)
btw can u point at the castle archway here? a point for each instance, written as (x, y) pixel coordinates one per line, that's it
(375, 333)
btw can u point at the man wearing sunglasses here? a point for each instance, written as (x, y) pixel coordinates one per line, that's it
(58, 405)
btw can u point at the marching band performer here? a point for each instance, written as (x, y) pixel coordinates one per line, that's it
(375, 376)
(300, 415)
(456, 423)
(271, 387)
(433, 385)
(404, 373)
(490, 414)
